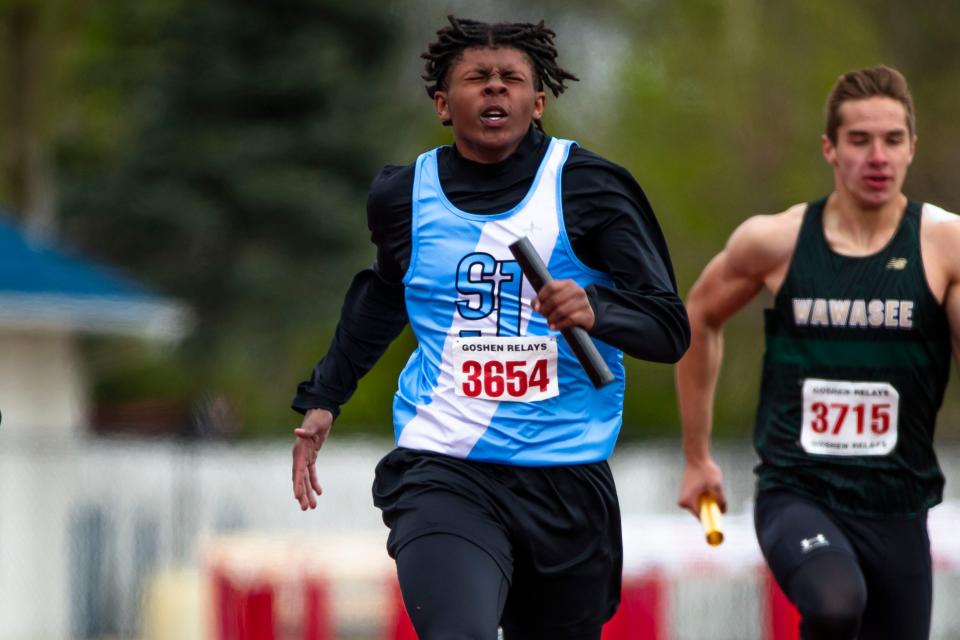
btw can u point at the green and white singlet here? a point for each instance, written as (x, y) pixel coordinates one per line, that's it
(857, 359)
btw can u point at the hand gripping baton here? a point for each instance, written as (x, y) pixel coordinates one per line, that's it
(710, 519)
(581, 344)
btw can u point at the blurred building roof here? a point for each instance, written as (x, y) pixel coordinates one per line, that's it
(45, 288)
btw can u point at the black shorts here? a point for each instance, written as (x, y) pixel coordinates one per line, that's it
(553, 531)
(892, 556)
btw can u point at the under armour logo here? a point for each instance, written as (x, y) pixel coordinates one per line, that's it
(897, 264)
(817, 541)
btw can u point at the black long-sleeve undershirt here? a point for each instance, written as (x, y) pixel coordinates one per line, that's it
(611, 226)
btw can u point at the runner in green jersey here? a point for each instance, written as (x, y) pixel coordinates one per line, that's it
(866, 312)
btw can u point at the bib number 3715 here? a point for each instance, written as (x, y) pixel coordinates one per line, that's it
(514, 369)
(843, 418)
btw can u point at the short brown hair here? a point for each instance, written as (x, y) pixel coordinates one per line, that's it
(879, 81)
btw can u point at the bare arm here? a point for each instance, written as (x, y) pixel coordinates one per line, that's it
(756, 255)
(952, 304)
(948, 236)
(951, 298)
(940, 241)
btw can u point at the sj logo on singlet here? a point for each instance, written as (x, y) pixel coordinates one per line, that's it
(504, 366)
(487, 285)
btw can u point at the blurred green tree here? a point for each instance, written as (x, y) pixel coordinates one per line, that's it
(236, 179)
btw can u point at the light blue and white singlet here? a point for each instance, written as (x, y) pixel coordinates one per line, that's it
(489, 380)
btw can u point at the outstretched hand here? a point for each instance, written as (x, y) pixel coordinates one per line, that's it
(311, 435)
(698, 479)
(564, 304)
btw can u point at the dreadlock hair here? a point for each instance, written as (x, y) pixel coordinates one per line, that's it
(534, 40)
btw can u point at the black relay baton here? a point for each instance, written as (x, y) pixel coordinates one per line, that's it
(581, 344)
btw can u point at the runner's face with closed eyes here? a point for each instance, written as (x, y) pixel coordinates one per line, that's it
(490, 99)
(874, 148)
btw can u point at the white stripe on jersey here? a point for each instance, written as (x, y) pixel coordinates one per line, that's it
(538, 221)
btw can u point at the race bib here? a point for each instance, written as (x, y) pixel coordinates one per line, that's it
(516, 369)
(842, 418)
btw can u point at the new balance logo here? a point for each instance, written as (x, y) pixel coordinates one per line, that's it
(809, 544)
(897, 264)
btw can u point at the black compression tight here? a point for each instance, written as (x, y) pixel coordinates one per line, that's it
(849, 576)
(515, 633)
(453, 590)
(830, 593)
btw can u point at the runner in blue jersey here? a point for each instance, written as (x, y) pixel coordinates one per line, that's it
(500, 502)
(864, 317)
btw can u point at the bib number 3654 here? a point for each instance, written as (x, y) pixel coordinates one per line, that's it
(517, 369)
(844, 418)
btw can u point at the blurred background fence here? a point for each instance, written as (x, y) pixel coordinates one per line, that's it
(126, 539)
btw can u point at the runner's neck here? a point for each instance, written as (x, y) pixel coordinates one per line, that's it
(853, 230)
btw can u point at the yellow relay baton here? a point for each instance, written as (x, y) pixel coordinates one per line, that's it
(710, 519)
